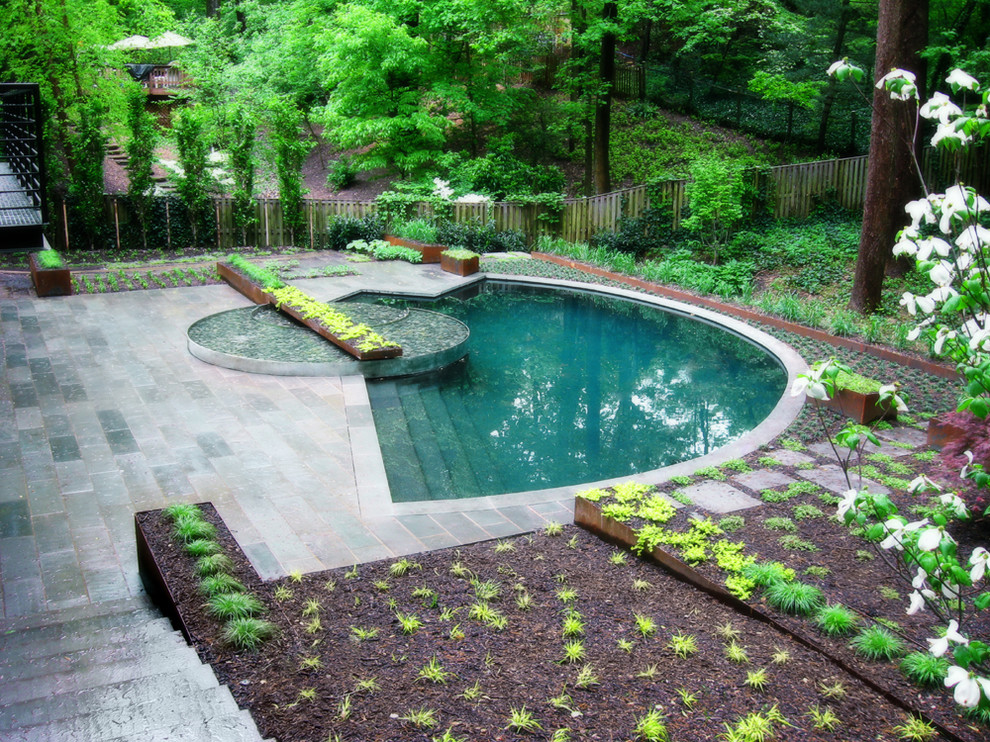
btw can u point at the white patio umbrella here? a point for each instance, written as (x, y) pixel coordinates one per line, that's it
(132, 42)
(167, 40)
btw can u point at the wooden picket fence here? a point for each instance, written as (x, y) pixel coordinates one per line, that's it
(794, 191)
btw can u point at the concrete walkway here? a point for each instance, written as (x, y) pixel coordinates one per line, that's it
(105, 413)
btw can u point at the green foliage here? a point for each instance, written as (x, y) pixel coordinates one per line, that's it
(651, 727)
(768, 573)
(49, 260)
(714, 196)
(779, 524)
(731, 523)
(201, 547)
(248, 632)
(343, 230)
(794, 597)
(140, 156)
(877, 643)
(194, 184)
(336, 322)
(480, 238)
(262, 276)
(226, 606)
(836, 620)
(242, 167)
(289, 149)
(220, 583)
(193, 527)
(925, 669)
(88, 150)
(417, 230)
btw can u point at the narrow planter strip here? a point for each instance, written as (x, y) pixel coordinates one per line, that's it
(358, 340)
(50, 281)
(588, 515)
(430, 252)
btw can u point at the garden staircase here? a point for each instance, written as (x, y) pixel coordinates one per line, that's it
(162, 185)
(113, 671)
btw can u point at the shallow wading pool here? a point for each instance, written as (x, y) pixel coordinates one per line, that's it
(562, 387)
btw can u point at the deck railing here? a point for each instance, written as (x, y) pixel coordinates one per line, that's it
(23, 206)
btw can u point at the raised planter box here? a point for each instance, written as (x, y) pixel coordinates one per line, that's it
(243, 284)
(460, 266)
(429, 251)
(392, 351)
(942, 431)
(50, 281)
(258, 295)
(861, 407)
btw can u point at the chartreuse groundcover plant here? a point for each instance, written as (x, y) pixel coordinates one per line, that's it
(949, 240)
(364, 338)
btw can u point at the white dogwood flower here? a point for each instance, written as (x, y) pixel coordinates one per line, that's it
(900, 84)
(940, 107)
(978, 559)
(959, 79)
(940, 646)
(968, 687)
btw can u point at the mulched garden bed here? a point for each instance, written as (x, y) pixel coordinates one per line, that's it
(354, 674)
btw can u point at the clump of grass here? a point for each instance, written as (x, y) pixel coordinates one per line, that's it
(791, 542)
(767, 573)
(202, 547)
(645, 625)
(915, 730)
(736, 652)
(220, 583)
(182, 510)
(193, 528)
(522, 720)
(816, 570)
(553, 528)
(212, 564)
(836, 620)
(925, 669)
(757, 679)
(248, 633)
(226, 606)
(795, 597)
(877, 643)
(826, 719)
(651, 727)
(683, 645)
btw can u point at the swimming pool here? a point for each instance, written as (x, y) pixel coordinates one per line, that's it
(562, 387)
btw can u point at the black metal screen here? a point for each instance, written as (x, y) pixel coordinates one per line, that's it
(23, 207)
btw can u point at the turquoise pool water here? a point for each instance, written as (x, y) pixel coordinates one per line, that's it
(563, 387)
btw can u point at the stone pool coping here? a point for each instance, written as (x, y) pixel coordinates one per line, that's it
(378, 499)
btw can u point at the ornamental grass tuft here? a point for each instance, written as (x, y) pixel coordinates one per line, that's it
(248, 633)
(795, 597)
(877, 643)
(836, 620)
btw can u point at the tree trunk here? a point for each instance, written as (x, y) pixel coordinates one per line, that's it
(603, 108)
(840, 43)
(891, 180)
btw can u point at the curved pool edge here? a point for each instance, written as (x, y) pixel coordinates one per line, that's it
(783, 414)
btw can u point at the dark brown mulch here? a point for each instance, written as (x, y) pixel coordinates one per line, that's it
(520, 665)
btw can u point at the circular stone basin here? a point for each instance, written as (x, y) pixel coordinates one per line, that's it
(262, 340)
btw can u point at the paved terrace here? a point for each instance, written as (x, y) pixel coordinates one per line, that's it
(105, 413)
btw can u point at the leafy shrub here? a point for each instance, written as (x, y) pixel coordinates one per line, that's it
(341, 173)
(344, 229)
(976, 439)
(480, 238)
(49, 259)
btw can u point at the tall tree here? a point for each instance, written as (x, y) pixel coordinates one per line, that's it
(891, 181)
(603, 106)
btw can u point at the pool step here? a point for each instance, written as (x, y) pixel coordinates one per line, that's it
(406, 479)
(452, 448)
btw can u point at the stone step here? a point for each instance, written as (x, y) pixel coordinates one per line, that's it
(456, 456)
(183, 690)
(406, 482)
(235, 727)
(427, 449)
(73, 636)
(170, 659)
(149, 639)
(89, 610)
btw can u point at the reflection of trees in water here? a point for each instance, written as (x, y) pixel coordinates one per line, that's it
(601, 380)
